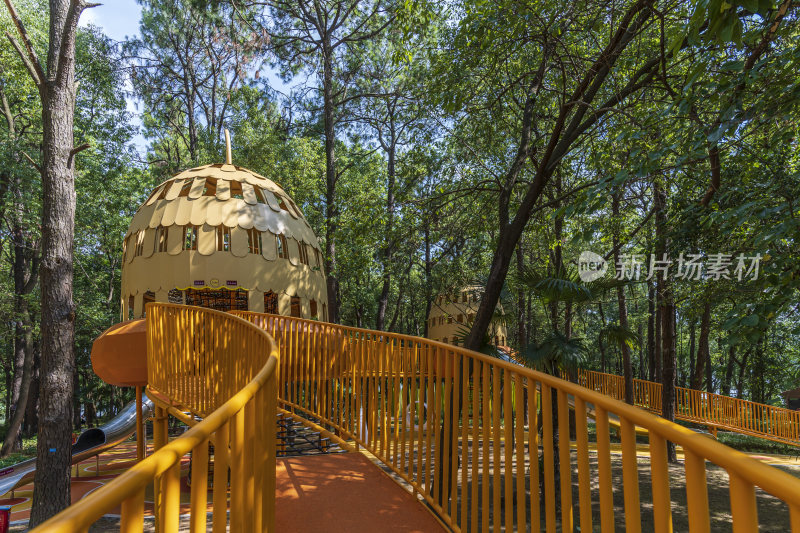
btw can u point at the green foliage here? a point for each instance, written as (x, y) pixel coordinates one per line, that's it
(556, 353)
(450, 84)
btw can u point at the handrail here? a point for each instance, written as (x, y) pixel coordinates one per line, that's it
(443, 417)
(715, 410)
(250, 454)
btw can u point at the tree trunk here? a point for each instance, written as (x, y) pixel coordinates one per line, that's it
(627, 369)
(657, 356)
(331, 210)
(23, 343)
(641, 351)
(691, 352)
(520, 301)
(651, 328)
(709, 370)
(742, 369)
(726, 384)
(428, 275)
(76, 402)
(600, 338)
(702, 348)
(24, 272)
(30, 426)
(388, 248)
(666, 308)
(51, 491)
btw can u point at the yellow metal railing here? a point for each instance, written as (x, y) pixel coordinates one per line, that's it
(455, 425)
(461, 428)
(219, 366)
(713, 410)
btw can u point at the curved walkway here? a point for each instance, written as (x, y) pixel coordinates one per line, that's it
(344, 492)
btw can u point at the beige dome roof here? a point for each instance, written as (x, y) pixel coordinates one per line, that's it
(222, 208)
(222, 227)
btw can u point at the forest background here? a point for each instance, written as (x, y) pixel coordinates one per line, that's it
(435, 146)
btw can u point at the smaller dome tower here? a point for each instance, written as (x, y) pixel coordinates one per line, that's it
(452, 314)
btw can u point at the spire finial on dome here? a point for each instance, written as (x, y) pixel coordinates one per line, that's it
(228, 160)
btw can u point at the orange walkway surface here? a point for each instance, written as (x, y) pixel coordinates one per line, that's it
(345, 492)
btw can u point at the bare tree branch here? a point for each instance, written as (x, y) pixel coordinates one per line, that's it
(30, 59)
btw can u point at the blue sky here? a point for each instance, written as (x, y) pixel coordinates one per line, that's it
(119, 19)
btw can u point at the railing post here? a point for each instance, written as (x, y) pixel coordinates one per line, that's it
(160, 438)
(140, 436)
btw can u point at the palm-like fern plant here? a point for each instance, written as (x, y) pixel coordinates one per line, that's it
(557, 352)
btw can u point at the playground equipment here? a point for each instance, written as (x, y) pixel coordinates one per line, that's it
(238, 382)
(452, 313)
(223, 237)
(90, 443)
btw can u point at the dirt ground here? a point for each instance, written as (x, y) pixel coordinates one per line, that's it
(773, 514)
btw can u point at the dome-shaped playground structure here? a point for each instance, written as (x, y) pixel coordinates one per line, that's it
(452, 313)
(227, 238)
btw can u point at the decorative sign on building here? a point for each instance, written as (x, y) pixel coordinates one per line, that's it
(199, 282)
(232, 283)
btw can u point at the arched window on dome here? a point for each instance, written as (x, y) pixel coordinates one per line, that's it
(281, 202)
(303, 252)
(186, 187)
(295, 308)
(223, 239)
(139, 243)
(460, 319)
(271, 303)
(190, 237)
(210, 188)
(259, 195)
(162, 233)
(131, 303)
(444, 340)
(313, 306)
(236, 190)
(166, 187)
(324, 312)
(283, 247)
(254, 240)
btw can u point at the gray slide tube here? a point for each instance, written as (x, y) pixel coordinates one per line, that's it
(90, 443)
